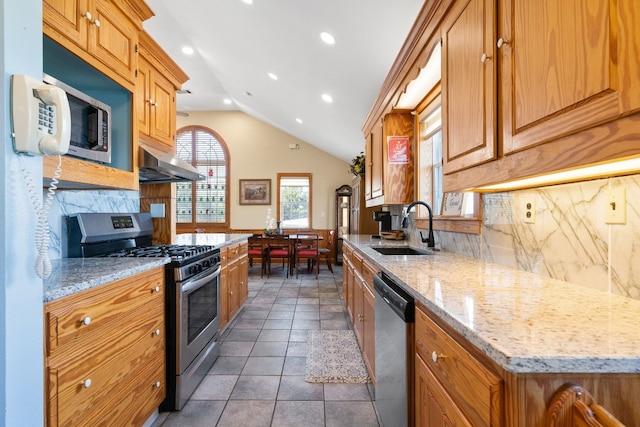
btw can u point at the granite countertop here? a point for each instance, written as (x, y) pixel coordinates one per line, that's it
(71, 275)
(214, 239)
(525, 322)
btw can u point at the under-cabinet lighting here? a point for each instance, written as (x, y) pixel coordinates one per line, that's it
(419, 87)
(622, 167)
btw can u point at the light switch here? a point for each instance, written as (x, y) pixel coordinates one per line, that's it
(616, 207)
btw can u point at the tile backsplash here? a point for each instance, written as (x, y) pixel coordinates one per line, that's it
(70, 202)
(569, 239)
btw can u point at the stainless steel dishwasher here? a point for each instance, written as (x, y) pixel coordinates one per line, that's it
(394, 322)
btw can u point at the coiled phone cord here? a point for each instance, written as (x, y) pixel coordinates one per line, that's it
(42, 238)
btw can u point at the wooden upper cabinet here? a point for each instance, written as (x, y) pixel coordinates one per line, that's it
(374, 170)
(566, 67)
(468, 85)
(103, 33)
(158, 79)
(390, 180)
(68, 17)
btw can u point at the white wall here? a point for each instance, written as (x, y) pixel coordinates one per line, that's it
(260, 151)
(21, 331)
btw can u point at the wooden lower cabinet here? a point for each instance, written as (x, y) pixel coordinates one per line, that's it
(433, 405)
(234, 280)
(105, 353)
(360, 302)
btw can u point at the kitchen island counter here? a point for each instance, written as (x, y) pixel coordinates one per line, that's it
(525, 322)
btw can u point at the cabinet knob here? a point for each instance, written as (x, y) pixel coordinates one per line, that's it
(156, 332)
(86, 383)
(156, 289)
(484, 58)
(86, 321)
(435, 357)
(501, 42)
(156, 384)
(86, 14)
(96, 22)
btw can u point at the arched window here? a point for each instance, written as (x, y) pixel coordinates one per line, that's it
(203, 204)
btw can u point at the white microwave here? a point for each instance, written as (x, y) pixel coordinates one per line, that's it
(90, 124)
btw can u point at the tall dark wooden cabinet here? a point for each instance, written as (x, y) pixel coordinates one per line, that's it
(362, 221)
(343, 218)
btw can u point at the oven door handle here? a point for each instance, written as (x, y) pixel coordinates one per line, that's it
(197, 282)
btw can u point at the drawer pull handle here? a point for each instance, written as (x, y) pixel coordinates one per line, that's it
(157, 332)
(86, 321)
(156, 384)
(86, 383)
(435, 357)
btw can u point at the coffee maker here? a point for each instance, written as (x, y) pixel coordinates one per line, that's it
(384, 220)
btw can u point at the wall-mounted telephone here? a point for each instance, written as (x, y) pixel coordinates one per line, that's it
(40, 116)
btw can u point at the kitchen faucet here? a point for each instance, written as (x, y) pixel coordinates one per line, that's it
(430, 241)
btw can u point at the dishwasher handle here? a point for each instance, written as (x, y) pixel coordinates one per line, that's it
(395, 297)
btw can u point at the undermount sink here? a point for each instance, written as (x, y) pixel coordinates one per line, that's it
(400, 250)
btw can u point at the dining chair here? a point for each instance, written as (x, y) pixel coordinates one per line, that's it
(326, 252)
(279, 247)
(306, 248)
(257, 249)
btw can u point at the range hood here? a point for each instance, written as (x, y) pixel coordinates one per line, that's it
(158, 167)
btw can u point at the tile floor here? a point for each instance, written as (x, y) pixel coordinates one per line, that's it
(258, 380)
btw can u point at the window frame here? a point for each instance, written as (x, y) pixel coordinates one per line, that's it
(194, 224)
(468, 225)
(306, 175)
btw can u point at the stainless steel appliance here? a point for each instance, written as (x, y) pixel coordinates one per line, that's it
(394, 322)
(192, 290)
(90, 124)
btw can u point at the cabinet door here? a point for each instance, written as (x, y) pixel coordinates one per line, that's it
(143, 95)
(163, 110)
(67, 17)
(234, 288)
(433, 406)
(469, 85)
(243, 267)
(567, 66)
(358, 309)
(374, 170)
(369, 349)
(114, 41)
(224, 296)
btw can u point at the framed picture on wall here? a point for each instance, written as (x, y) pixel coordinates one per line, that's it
(255, 191)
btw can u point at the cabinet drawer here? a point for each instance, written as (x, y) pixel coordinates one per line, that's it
(477, 391)
(368, 271)
(233, 251)
(131, 404)
(87, 377)
(72, 317)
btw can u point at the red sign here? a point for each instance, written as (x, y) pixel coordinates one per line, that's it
(398, 150)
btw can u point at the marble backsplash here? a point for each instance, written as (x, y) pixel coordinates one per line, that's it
(70, 202)
(569, 240)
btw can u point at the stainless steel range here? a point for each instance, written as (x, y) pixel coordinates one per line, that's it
(192, 289)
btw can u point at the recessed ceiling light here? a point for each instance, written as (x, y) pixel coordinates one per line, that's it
(248, 1)
(187, 50)
(326, 97)
(227, 101)
(299, 121)
(273, 76)
(327, 38)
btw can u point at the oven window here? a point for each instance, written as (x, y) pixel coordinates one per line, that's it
(203, 309)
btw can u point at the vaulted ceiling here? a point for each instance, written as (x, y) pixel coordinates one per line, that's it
(237, 43)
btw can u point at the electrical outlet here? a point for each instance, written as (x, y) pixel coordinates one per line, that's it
(529, 210)
(616, 206)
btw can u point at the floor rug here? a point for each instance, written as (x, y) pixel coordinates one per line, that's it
(334, 357)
